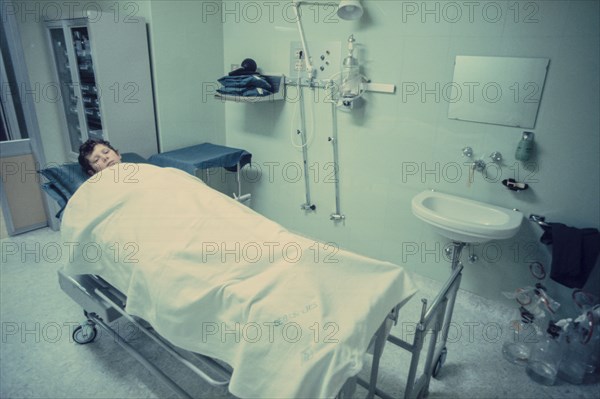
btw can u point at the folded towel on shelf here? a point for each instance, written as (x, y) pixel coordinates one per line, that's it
(574, 253)
(244, 91)
(245, 85)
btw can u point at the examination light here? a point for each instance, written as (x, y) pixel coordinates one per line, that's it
(347, 9)
(350, 9)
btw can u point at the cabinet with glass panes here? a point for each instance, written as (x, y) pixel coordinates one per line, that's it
(103, 71)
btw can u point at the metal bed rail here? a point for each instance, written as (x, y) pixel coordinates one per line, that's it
(434, 320)
(166, 346)
(103, 304)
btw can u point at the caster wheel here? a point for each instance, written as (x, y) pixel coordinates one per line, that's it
(85, 333)
(440, 362)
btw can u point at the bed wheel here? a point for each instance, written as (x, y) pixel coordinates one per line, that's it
(85, 333)
(440, 362)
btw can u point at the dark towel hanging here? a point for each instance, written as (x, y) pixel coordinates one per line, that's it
(574, 253)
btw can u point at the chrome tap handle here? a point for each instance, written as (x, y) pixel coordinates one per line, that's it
(478, 165)
(496, 156)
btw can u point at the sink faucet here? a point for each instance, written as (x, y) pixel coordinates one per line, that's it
(478, 165)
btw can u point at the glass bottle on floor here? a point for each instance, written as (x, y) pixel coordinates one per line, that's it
(545, 357)
(582, 347)
(517, 347)
(527, 328)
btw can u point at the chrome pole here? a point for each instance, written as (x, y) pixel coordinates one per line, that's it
(308, 205)
(333, 139)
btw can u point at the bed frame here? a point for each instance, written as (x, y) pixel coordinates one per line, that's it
(103, 304)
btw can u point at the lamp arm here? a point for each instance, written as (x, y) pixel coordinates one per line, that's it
(309, 67)
(296, 4)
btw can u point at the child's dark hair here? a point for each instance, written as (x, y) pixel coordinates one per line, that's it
(85, 150)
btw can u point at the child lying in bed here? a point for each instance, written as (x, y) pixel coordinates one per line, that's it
(292, 316)
(96, 155)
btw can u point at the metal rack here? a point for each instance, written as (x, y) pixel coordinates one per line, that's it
(277, 82)
(435, 319)
(541, 220)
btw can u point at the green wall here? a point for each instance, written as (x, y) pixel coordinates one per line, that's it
(398, 145)
(187, 57)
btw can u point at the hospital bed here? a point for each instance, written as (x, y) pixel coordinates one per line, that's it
(181, 289)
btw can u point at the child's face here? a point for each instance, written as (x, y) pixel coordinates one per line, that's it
(102, 157)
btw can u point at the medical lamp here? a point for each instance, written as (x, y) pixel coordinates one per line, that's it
(350, 9)
(347, 9)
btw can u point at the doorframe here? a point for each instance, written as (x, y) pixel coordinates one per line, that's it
(9, 117)
(17, 58)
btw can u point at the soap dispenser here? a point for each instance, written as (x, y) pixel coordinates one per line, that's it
(525, 147)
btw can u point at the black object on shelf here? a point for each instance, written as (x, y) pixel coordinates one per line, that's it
(513, 185)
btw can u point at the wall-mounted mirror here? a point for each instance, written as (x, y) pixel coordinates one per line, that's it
(497, 90)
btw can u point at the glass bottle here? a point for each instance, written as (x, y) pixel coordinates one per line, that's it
(593, 363)
(582, 349)
(545, 357)
(573, 366)
(588, 326)
(351, 78)
(517, 347)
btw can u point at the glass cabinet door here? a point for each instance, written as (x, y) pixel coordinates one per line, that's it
(69, 89)
(91, 60)
(89, 90)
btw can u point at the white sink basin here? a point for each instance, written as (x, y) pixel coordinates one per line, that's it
(464, 220)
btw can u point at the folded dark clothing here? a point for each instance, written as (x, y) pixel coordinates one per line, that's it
(247, 81)
(244, 91)
(574, 253)
(242, 72)
(256, 92)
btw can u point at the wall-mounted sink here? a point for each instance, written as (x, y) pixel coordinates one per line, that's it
(464, 220)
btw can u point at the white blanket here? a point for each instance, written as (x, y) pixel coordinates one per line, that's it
(292, 316)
